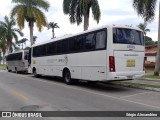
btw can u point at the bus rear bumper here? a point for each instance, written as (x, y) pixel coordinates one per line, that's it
(126, 75)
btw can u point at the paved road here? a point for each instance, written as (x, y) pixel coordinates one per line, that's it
(25, 92)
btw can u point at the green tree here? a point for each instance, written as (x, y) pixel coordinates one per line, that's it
(3, 48)
(146, 9)
(0, 57)
(22, 41)
(30, 11)
(52, 26)
(77, 9)
(8, 32)
(149, 41)
(143, 27)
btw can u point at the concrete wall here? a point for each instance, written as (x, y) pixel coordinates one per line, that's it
(151, 58)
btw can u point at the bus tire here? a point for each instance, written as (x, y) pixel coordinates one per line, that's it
(92, 82)
(67, 77)
(8, 70)
(16, 70)
(35, 73)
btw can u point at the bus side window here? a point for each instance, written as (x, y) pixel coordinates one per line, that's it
(42, 50)
(101, 40)
(59, 47)
(65, 47)
(80, 43)
(35, 51)
(71, 45)
(51, 48)
(90, 41)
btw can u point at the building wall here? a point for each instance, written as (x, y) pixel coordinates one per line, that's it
(151, 58)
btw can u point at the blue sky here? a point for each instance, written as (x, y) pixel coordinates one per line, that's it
(112, 12)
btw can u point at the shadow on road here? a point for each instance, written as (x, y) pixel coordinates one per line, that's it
(103, 87)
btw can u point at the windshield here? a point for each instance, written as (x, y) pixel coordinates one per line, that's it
(127, 36)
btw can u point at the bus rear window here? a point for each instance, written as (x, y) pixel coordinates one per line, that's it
(127, 36)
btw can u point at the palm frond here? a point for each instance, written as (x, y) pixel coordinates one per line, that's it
(19, 1)
(40, 18)
(66, 6)
(6, 20)
(95, 10)
(18, 31)
(41, 4)
(145, 8)
(15, 36)
(3, 24)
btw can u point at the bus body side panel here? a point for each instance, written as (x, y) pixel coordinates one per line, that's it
(88, 65)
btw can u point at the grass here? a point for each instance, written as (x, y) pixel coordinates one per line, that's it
(136, 84)
(152, 76)
(2, 66)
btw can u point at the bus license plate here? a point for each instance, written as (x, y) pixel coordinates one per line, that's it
(130, 63)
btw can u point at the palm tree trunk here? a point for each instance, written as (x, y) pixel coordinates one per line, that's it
(157, 64)
(3, 58)
(31, 32)
(9, 47)
(86, 22)
(53, 33)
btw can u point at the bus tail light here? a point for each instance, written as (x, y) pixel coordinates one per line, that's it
(111, 64)
(145, 58)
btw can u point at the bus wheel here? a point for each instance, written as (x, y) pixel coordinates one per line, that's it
(16, 70)
(67, 78)
(35, 73)
(8, 70)
(91, 82)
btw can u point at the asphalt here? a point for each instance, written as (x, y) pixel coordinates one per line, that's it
(24, 92)
(146, 81)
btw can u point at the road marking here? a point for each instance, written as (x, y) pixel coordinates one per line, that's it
(89, 91)
(19, 94)
(135, 94)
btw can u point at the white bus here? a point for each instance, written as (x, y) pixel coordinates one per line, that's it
(112, 52)
(17, 61)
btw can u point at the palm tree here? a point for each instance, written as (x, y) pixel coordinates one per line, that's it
(3, 48)
(76, 9)
(30, 11)
(0, 56)
(143, 27)
(23, 40)
(146, 9)
(52, 25)
(8, 32)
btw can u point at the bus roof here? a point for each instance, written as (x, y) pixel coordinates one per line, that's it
(17, 52)
(70, 35)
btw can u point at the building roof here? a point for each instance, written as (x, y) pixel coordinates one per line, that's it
(151, 50)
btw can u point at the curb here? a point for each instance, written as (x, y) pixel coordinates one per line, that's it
(144, 88)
